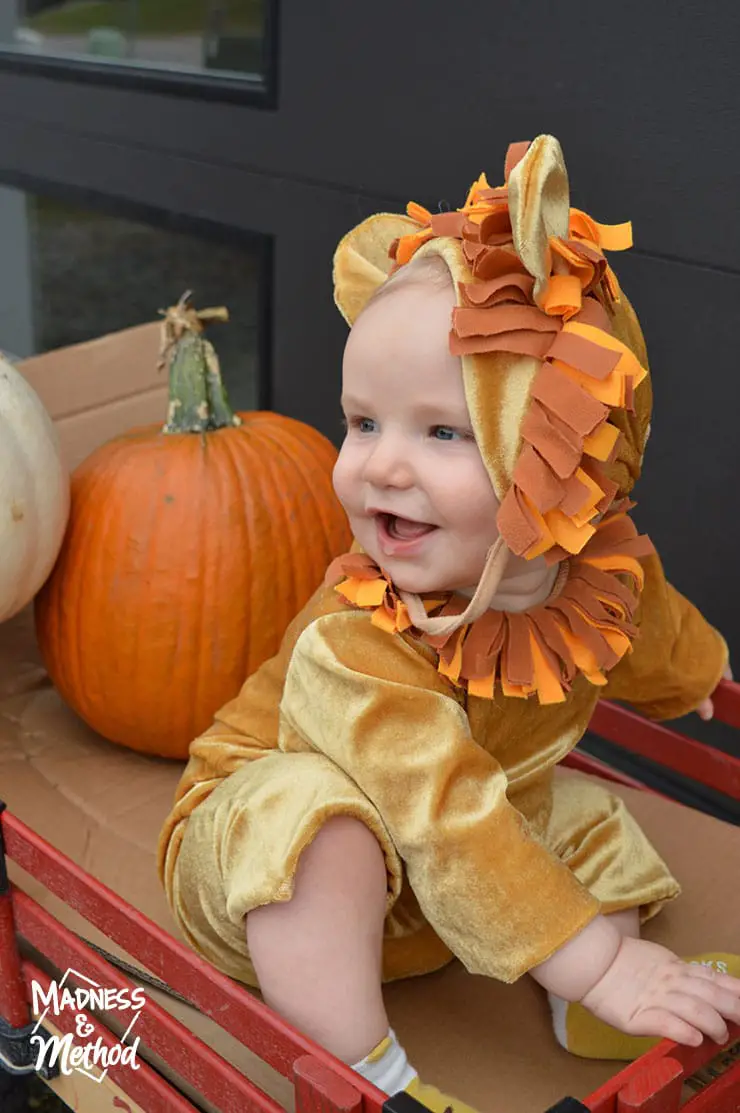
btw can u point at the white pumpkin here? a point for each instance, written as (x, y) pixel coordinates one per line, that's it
(34, 492)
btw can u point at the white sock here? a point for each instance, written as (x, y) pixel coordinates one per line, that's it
(559, 1008)
(387, 1066)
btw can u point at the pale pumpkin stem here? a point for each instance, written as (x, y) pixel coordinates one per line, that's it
(218, 402)
(198, 401)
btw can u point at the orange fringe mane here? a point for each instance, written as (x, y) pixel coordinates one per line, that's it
(586, 626)
(559, 485)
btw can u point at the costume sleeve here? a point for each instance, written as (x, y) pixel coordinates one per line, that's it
(235, 738)
(216, 754)
(677, 660)
(382, 713)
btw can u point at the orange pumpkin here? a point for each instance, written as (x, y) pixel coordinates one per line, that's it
(189, 549)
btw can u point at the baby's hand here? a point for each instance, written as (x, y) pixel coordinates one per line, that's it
(705, 710)
(649, 991)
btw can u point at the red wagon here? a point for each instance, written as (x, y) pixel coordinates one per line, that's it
(33, 941)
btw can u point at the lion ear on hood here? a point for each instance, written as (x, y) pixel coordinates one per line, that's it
(362, 261)
(539, 204)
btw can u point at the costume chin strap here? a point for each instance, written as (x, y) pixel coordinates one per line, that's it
(493, 571)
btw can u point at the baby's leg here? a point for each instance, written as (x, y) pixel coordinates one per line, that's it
(318, 956)
(318, 959)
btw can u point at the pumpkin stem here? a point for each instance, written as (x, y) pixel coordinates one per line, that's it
(198, 401)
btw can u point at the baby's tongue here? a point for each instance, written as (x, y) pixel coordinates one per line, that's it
(402, 527)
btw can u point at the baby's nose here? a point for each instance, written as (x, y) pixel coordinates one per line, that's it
(389, 464)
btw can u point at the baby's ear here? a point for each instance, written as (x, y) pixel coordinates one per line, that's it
(362, 263)
(539, 205)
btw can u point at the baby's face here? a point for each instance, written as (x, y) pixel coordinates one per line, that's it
(409, 448)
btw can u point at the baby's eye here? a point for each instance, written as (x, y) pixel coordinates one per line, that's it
(356, 423)
(446, 429)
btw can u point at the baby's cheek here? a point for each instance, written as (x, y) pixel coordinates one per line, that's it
(475, 510)
(341, 480)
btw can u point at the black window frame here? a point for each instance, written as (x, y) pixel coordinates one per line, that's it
(209, 85)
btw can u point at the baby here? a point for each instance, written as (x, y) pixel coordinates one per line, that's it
(380, 796)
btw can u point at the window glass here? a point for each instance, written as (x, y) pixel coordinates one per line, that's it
(72, 273)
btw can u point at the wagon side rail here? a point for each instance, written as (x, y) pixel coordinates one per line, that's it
(704, 764)
(316, 1075)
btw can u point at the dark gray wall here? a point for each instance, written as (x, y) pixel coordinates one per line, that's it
(384, 102)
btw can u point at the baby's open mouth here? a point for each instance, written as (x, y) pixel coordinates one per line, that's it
(404, 528)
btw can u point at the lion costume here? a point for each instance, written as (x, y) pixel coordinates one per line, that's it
(434, 719)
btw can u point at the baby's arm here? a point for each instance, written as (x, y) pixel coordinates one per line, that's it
(678, 659)
(640, 987)
(705, 710)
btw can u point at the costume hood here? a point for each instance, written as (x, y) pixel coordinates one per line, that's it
(554, 364)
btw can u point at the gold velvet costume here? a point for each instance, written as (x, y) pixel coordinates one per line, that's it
(435, 720)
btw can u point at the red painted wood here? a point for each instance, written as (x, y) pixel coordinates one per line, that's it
(693, 759)
(656, 1089)
(205, 1070)
(145, 1086)
(727, 703)
(577, 759)
(13, 1006)
(229, 1005)
(721, 1096)
(603, 1100)
(319, 1090)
